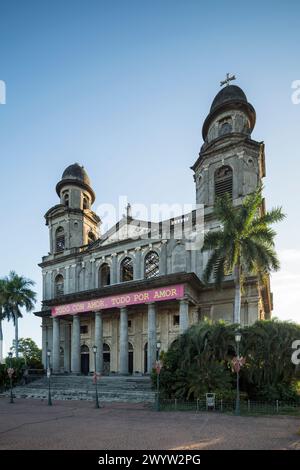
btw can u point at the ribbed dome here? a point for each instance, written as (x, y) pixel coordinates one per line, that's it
(231, 93)
(76, 172)
(230, 98)
(75, 175)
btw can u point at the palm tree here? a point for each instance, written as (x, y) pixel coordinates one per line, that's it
(243, 245)
(17, 295)
(2, 316)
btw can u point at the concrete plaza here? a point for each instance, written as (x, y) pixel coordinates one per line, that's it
(31, 424)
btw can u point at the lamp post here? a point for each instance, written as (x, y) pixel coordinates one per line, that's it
(49, 377)
(238, 337)
(158, 346)
(10, 373)
(95, 359)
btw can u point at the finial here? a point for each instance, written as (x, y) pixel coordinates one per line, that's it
(227, 79)
(128, 211)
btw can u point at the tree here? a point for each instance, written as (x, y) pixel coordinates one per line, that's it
(2, 293)
(269, 371)
(29, 350)
(244, 245)
(17, 295)
(200, 361)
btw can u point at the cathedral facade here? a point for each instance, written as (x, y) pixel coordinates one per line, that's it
(133, 287)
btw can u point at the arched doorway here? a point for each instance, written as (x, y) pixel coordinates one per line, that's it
(85, 359)
(130, 358)
(146, 358)
(106, 359)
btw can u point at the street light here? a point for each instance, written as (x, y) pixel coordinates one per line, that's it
(49, 376)
(95, 376)
(158, 346)
(10, 373)
(238, 337)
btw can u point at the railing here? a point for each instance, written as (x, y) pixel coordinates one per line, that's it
(247, 407)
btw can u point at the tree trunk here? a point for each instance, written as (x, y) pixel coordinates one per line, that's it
(1, 341)
(237, 297)
(16, 335)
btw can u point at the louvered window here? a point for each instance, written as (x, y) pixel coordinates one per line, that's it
(223, 181)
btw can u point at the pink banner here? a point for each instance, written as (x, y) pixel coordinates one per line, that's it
(122, 300)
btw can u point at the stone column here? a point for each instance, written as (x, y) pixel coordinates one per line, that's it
(137, 271)
(44, 285)
(44, 345)
(163, 258)
(114, 269)
(183, 315)
(123, 362)
(75, 353)
(55, 345)
(206, 194)
(99, 341)
(67, 347)
(93, 274)
(151, 336)
(67, 280)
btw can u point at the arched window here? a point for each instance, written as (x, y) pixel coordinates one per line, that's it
(223, 181)
(59, 285)
(225, 126)
(59, 239)
(85, 203)
(151, 265)
(104, 275)
(91, 237)
(126, 273)
(66, 199)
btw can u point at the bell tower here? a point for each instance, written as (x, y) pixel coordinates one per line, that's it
(72, 223)
(229, 159)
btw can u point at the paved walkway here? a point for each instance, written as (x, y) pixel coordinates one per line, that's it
(31, 424)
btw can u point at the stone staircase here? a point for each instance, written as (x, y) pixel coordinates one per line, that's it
(132, 389)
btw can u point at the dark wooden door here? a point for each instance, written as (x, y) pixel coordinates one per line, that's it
(85, 363)
(130, 362)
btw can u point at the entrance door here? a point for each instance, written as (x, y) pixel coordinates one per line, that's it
(130, 358)
(85, 360)
(146, 358)
(106, 359)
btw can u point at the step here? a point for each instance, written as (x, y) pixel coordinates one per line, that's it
(116, 396)
(117, 388)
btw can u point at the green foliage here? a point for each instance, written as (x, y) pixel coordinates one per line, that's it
(207, 377)
(29, 350)
(18, 365)
(268, 348)
(15, 294)
(245, 243)
(199, 361)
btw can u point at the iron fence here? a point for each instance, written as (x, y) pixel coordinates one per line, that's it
(247, 407)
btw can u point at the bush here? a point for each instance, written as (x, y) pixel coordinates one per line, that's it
(17, 365)
(199, 361)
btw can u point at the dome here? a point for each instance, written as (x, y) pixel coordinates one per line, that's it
(75, 175)
(230, 98)
(230, 93)
(76, 172)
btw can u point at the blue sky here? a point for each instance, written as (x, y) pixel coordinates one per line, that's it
(123, 87)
